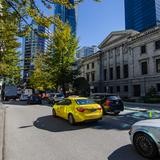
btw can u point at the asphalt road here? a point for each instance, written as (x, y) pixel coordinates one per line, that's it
(31, 133)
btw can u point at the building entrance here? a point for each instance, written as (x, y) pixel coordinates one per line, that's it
(137, 90)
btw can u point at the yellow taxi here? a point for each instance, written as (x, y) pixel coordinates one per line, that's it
(77, 109)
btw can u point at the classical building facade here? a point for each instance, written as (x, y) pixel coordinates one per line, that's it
(90, 69)
(128, 63)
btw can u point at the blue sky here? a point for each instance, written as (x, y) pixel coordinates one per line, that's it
(97, 20)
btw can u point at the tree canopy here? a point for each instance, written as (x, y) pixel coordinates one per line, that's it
(8, 43)
(25, 8)
(40, 78)
(61, 54)
(81, 86)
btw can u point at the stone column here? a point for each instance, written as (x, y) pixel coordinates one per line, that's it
(121, 62)
(114, 64)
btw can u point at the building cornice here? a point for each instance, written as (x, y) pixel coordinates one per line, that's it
(90, 57)
(144, 34)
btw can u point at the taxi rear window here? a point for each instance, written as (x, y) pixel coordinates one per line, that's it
(84, 101)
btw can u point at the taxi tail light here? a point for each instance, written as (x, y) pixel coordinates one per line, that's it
(80, 109)
(108, 102)
(99, 108)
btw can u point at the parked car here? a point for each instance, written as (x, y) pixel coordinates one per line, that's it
(109, 102)
(77, 109)
(34, 99)
(145, 136)
(24, 97)
(55, 97)
(10, 92)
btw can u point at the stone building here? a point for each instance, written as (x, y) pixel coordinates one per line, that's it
(90, 69)
(128, 63)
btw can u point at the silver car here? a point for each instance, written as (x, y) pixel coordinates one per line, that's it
(55, 97)
(145, 136)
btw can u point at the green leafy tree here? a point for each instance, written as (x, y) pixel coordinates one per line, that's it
(60, 57)
(30, 8)
(152, 92)
(81, 86)
(39, 78)
(11, 15)
(8, 43)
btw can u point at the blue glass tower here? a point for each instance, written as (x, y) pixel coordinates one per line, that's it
(32, 44)
(141, 15)
(67, 15)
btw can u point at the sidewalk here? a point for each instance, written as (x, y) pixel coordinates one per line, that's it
(2, 116)
(141, 106)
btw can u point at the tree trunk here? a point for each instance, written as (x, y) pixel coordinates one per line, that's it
(64, 89)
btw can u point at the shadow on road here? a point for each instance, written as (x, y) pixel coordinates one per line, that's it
(125, 153)
(121, 122)
(55, 124)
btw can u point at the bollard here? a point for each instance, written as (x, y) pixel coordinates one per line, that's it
(153, 114)
(150, 114)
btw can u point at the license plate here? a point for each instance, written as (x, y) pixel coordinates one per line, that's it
(93, 110)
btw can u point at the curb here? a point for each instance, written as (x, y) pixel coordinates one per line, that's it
(2, 130)
(142, 104)
(136, 109)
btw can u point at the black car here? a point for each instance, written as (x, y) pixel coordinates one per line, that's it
(34, 99)
(109, 102)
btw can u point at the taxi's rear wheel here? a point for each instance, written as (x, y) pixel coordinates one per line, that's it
(53, 112)
(71, 119)
(116, 113)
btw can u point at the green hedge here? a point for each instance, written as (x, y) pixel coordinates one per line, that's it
(152, 100)
(155, 99)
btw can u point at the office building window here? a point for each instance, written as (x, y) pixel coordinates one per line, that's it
(93, 76)
(118, 72)
(157, 44)
(87, 66)
(143, 49)
(95, 89)
(87, 77)
(125, 70)
(92, 64)
(125, 88)
(158, 87)
(111, 73)
(105, 74)
(105, 89)
(118, 88)
(158, 65)
(144, 68)
(111, 89)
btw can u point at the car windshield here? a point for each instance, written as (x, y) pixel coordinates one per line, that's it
(60, 95)
(84, 101)
(113, 97)
(52, 95)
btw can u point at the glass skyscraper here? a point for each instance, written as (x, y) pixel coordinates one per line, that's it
(67, 15)
(141, 15)
(32, 44)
